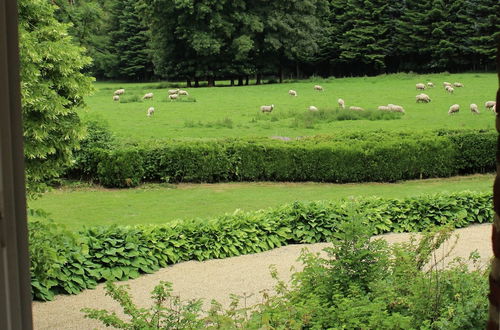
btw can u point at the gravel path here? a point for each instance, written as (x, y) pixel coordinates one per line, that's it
(216, 279)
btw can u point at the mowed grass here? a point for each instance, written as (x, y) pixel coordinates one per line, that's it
(234, 111)
(154, 204)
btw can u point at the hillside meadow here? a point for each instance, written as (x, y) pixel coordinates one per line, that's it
(234, 111)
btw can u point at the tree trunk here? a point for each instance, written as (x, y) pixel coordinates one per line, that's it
(196, 82)
(240, 81)
(247, 80)
(232, 81)
(211, 81)
(258, 79)
(281, 74)
(188, 83)
(297, 71)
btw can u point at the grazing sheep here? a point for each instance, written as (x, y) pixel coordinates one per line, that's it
(454, 109)
(396, 108)
(116, 98)
(429, 84)
(173, 97)
(384, 108)
(341, 103)
(318, 88)
(356, 109)
(119, 91)
(420, 86)
(474, 108)
(446, 84)
(267, 108)
(450, 89)
(292, 92)
(457, 84)
(148, 96)
(282, 138)
(494, 109)
(151, 111)
(490, 104)
(313, 108)
(183, 92)
(173, 91)
(423, 98)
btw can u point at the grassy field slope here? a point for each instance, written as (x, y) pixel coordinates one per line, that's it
(234, 111)
(76, 207)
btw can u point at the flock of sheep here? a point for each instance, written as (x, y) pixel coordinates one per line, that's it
(173, 94)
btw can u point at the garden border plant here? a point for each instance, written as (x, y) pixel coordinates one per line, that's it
(80, 260)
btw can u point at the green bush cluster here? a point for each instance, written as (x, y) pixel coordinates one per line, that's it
(119, 253)
(354, 157)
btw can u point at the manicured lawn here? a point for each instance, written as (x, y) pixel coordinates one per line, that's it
(234, 111)
(76, 207)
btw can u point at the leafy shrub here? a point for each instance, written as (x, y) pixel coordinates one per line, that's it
(120, 253)
(120, 168)
(354, 157)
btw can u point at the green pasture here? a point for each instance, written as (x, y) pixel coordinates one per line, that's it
(78, 206)
(234, 111)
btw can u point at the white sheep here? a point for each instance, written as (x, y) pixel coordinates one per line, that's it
(116, 98)
(450, 89)
(183, 92)
(396, 108)
(292, 92)
(474, 108)
(490, 104)
(454, 109)
(267, 108)
(420, 86)
(318, 88)
(429, 84)
(356, 109)
(384, 108)
(457, 84)
(423, 98)
(173, 97)
(148, 96)
(313, 108)
(446, 84)
(494, 109)
(119, 91)
(173, 91)
(341, 103)
(151, 111)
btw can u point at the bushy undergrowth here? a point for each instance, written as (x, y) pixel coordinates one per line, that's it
(354, 157)
(121, 252)
(361, 284)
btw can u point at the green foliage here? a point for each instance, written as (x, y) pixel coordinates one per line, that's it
(167, 311)
(121, 253)
(354, 157)
(120, 168)
(52, 90)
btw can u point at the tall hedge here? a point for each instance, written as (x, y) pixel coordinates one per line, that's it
(354, 157)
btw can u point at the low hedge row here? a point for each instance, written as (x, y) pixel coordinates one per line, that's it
(64, 262)
(354, 157)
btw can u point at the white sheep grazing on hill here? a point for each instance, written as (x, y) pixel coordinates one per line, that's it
(173, 91)
(116, 98)
(431, 85)
(173, 97)
(454, 109)
(318, 88)
(474, 108)
(423, 98)
(341, 103)
(356, 109)
(489, 105)
(420, 86)
(291, 92)
(446, 84)
(267, 108)
(183, 92)
(313, 108)
(151, 111)
(384, 108)
(119, 91)
(457, 84)
(396, 108)
(450, 89)
(494, 109)
(148, 96)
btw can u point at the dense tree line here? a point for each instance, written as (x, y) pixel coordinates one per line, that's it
(197, 40)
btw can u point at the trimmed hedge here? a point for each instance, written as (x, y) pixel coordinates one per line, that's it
(120, 253)
(353, 157)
